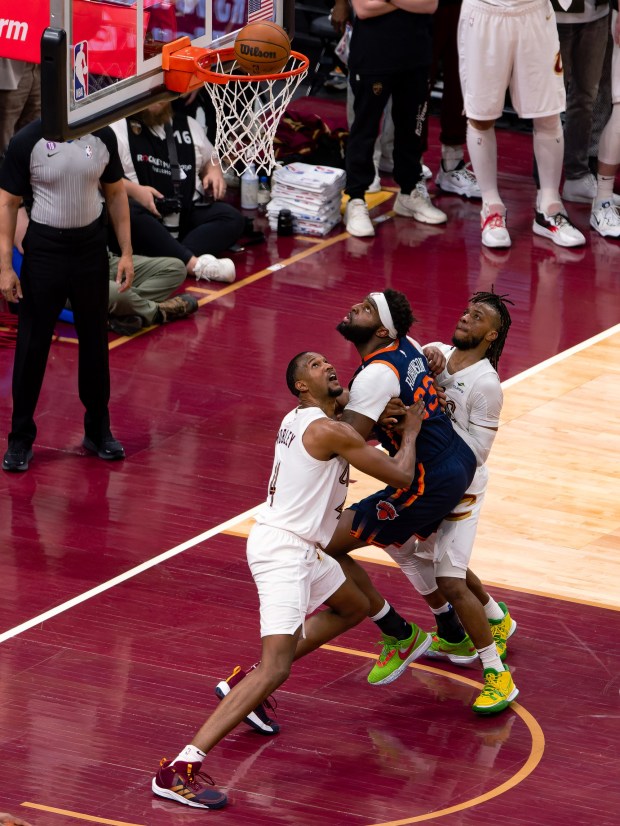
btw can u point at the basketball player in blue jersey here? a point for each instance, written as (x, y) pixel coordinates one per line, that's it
(394, 365)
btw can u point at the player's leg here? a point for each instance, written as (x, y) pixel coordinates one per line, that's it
(498, 616)
(486, 51)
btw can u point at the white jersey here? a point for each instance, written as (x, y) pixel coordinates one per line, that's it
(306, 496)
(478, 398)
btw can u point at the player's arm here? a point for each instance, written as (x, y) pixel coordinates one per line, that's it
(415, 6)
(325, 438)
(362, 424)
(371, 8)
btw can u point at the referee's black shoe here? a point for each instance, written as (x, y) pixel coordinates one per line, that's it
(16, 458)
(108, 448)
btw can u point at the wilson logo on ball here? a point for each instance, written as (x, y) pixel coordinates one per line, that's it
(256, 51)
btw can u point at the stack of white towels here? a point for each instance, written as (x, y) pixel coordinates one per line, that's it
(312, 193)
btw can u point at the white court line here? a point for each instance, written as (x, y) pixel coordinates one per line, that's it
(150, 563)
(117, 580)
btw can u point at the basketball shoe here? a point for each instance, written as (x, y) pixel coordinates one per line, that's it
(498, 692)
(494, 229)
(357, 220)
(417, 204)
(258, 719)
(185, 783)
(502, 630)
(396, 655)
(605, 219)
(558, 228)
(458, 181)
(458, 653)
(583, 190)
(214, 269)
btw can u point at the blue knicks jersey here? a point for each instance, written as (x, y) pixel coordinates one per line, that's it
(411, 367)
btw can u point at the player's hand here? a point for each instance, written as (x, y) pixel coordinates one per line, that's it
(435, 358)
(340, 15)
(11, 820)
(441, 395)
(413, 418)
(10, 288)
(394, 411)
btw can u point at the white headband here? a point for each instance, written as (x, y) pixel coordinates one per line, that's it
(385, 316)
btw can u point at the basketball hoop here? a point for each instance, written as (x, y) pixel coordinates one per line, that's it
(248, 108)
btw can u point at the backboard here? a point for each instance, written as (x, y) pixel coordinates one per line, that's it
(101, 59)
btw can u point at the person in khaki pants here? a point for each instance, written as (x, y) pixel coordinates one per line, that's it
(20, 97)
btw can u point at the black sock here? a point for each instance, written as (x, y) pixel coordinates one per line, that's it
(393, 625)
(449, 626)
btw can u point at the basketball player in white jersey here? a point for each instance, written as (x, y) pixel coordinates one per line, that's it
(605, 216)
(514, 44)
(438, 566)
(306, 496)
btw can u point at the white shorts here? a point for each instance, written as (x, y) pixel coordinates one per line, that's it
(451, 547)
(615, 64)
(293, 578)
(510, 48)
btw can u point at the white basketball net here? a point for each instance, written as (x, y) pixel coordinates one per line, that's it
(247, 116)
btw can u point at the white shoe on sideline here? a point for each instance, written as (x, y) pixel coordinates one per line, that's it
(494, 230)
(605, 219)
(558, 229)
(375, 186)
(357, 220)
(459, 181)
(418, 205)
(214, 269)
(426, 172)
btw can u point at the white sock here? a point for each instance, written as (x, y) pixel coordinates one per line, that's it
(604, 189)
(482, 148)
(451, 157)
(382, 612)
(549, 154)
(443, 610)
(490, 658)
(492, 610)
(190, 754)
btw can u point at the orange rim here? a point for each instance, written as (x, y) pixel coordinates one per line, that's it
(204, 71)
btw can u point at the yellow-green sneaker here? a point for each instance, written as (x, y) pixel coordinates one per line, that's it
(459, 653)
(396, 655)
(498, 692)
(502, 630)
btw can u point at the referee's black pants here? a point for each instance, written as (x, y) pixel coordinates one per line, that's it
(409, 93)
(59, 265)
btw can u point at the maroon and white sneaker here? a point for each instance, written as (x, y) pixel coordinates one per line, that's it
(494, 230)
(258, 719)
(558, 229)
(186, 784)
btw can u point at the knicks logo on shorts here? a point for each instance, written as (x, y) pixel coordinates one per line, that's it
(557, 66)
(385, 510)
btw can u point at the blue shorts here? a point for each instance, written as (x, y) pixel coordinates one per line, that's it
(391, 516)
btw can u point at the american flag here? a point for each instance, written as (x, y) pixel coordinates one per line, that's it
(260, 10)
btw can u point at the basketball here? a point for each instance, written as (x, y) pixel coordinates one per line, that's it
(262, 48)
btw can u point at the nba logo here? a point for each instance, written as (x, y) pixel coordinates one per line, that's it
(80, 70)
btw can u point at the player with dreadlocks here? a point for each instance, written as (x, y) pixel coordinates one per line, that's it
(438, 566)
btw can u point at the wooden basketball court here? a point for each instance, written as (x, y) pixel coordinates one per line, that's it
(126, 595)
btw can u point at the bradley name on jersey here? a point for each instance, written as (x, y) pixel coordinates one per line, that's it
(285, 437)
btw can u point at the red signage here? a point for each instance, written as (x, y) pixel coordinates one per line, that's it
(21, 27)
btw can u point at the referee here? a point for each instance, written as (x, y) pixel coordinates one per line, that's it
(65, 257)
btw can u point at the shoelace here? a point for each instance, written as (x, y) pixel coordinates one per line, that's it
(194, 779)
(560, 220)
(491, 689)
(495, 221)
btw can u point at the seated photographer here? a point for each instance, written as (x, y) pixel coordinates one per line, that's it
(176, 219)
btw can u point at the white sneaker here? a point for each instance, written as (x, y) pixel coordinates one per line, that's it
(214, 269)
(558, 228)
(580, 190)
(375, 186)
(460, 181)
(494, 231)
(605, 219)
(426, 172)
(418, 205)
(357, 220)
